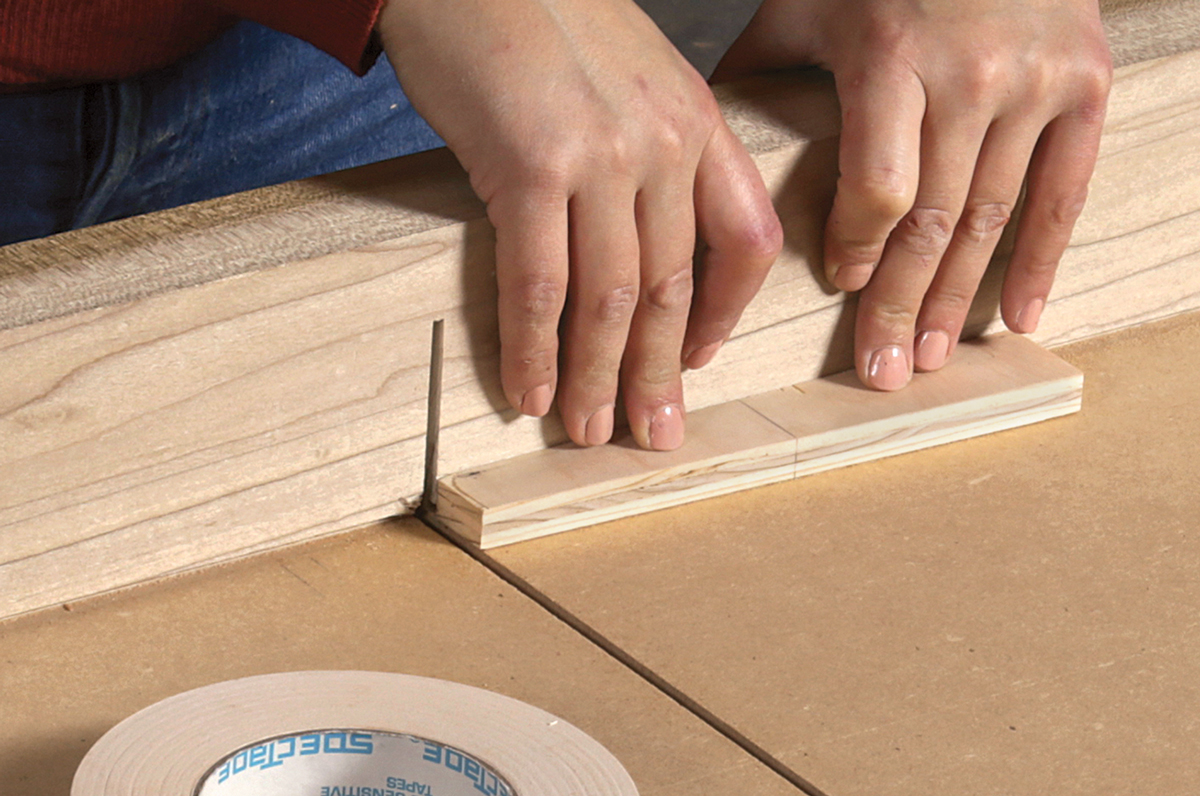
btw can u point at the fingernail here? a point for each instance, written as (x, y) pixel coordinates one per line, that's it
(1027, 318)
(666, 428)
(853, 277)
(599, 426)
(888, 369)
(702, 356)
(931, 350)
(536, 402)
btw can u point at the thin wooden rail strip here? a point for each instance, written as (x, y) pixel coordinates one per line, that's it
(994, 384)
(203, 383)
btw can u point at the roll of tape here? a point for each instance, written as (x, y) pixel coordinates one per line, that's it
(347, 734)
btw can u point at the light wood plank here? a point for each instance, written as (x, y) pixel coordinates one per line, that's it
(193, 385)
(993, 384)
(729, 447)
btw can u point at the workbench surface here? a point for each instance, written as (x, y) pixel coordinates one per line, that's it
(1012, 614)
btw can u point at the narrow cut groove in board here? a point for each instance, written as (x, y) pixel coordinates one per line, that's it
(993, 384)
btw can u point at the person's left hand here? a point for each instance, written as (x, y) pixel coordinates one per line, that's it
(945, 104)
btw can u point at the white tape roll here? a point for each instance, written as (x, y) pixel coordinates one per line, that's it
(347, 734)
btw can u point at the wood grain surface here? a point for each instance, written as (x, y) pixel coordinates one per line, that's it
(996, 383)
(200, 384)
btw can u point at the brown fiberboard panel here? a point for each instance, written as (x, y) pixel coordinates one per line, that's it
(202, 384)
(993, 384)
(391, 598)
(1018, 613)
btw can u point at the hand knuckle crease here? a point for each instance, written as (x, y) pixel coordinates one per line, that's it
(672, 293)
(955, 299)
(885, 191)
(894, 316)
(617, 304)
(983, 221)
(760, 239)
(926, 230)
(541, 300)
(1064, 210)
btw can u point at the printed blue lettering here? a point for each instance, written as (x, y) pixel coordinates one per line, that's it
(457, 764)
(310, 744)
(433, 753)
(487, 783)
(360, 743)
(291, 745)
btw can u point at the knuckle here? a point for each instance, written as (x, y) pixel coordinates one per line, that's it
(614, 151)
(707, 109)
(760, 239)
(616, 304)
(1063, 210)
(882, 192)
(545, 169)
(658, 373)
(622, 157)
(953, 299)
(859, 252)
(1096, 70)
(983, 78)
(673, 293)
(886, 35)
(926, 231)
(1095, 82)
(1040, 268)
(540, 300)
(670, 139)
(981, 222)
(896, 318)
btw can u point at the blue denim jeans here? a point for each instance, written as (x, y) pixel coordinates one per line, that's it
(255, 107)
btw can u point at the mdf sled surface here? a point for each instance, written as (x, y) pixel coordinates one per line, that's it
(1013, 614)
(205, 383)
(993, 384)
(391, 598)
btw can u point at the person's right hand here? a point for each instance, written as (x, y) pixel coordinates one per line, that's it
(599, 152)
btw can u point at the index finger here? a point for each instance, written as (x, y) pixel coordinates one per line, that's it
(736, 220)
(879, 166)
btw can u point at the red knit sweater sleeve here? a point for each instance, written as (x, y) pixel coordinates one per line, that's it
(72, 41)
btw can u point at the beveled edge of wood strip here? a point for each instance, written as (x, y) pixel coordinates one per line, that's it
(701, 471)
(122, 261)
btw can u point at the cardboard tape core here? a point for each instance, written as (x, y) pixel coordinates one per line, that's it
(347, 734)
(341, 762)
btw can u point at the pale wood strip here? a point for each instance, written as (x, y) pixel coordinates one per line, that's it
(729, 447)
(993, 384)
(282, 403)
